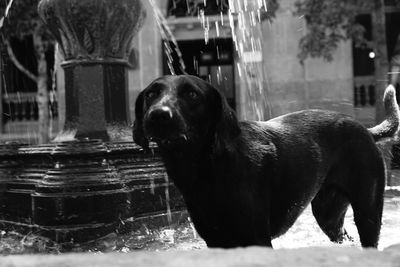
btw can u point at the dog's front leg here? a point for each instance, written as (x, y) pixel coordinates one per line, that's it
(252, 230)
(246, 224)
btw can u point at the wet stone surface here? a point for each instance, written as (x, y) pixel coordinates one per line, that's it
(182, 236)
(82, 190)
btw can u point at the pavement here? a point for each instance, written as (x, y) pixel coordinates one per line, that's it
(253, 256)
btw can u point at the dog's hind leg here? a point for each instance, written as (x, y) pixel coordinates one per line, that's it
(367, 203)
(368, 222)
(329, 209)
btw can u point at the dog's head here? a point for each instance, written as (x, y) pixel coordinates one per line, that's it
(183, 110)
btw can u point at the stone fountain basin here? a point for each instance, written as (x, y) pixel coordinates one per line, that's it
(78, 191)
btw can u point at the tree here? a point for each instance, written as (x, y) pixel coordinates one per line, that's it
(22, 20)
(332, 21)
(395, 63)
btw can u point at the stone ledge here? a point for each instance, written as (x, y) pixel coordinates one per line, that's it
(254, 256)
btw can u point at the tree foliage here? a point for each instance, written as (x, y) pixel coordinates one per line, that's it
(329, 22)
(23, 20)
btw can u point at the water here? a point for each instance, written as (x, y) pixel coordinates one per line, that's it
(9, 4)
(248, 38)
(245, 18)
(168, 38)
(304, 233)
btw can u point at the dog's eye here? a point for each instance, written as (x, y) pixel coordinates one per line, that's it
(152, 94)
(192, 94)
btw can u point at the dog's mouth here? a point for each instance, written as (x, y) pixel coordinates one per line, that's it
(166, 135)
(166, 131)
(178, 139)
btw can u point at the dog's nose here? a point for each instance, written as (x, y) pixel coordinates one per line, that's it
(161, 114)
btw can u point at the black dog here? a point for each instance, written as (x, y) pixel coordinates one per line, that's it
(245, 183)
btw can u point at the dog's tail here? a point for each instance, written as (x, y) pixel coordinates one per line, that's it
(388, 128)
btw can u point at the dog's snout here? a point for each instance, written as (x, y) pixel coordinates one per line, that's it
(161, 114)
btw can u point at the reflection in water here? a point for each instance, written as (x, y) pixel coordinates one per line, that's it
(305, 233)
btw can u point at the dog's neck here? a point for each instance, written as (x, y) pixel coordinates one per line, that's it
(187, 163)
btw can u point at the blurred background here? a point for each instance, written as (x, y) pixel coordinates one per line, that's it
(281, 56)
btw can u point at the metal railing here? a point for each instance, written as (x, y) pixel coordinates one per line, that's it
(364, 91)
(191, 8)
(24, 107)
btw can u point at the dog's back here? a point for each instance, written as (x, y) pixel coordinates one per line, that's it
(297, 154)
(245, 183)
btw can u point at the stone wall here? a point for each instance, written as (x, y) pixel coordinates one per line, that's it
(317, 83)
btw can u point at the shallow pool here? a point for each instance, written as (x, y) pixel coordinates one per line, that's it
(304, 233)
(307, 233)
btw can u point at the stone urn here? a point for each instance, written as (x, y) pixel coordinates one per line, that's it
(95, 37)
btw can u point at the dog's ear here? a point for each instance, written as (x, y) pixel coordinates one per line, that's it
(138, 132)
(226, 123)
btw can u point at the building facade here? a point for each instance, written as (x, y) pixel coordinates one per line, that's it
(346, 84)
(175, 40)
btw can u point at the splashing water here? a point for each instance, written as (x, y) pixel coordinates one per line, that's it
(168, 37)
(245, 23)
(65, 135)
(167, 199)
(182, 236)
(8, 7)
(247, 37)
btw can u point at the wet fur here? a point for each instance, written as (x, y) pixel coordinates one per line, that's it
(245, 183)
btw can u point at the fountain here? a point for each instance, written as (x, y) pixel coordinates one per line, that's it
(248, 37)
(92, 181)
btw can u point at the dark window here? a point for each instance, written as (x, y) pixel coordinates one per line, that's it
(212, 62)
(392, 3)
(363, 62)
(392, 31)
(182, 8)
(362, 58)
(15, 80)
